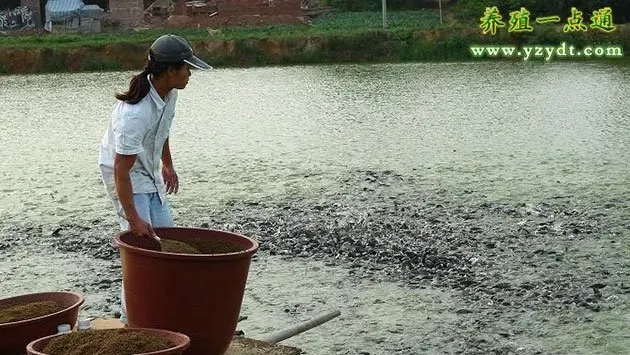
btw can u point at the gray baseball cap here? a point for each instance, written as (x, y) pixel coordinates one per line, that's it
(172, 49)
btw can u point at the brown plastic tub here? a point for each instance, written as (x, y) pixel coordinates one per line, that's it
(198, 295)
(15, 336)
(181, 342)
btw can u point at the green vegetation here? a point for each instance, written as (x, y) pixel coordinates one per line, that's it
(335, 37)
(330, 24)
(53, 61)
(469, 11)
(422, 19)
(375, 5)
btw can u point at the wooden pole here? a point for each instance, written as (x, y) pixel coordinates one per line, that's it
(440, 2)
(300, 328)
(384, 5)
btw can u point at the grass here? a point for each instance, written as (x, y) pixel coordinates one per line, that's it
(424, 19)
(329, 24)
(334, 37)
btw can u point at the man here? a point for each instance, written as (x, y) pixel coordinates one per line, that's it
(137, 140)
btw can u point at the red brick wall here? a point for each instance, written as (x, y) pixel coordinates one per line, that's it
(129, 13)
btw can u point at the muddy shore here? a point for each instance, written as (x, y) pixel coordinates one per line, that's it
(509, 264)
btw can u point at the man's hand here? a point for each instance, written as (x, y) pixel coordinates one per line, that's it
(170, 179)
(140, 228)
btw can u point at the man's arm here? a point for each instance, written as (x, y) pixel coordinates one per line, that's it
(166, 155)
(168, 171)
(122, 167)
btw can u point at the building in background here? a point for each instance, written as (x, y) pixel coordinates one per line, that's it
(122, 13)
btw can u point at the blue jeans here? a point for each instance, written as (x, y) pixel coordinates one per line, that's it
(150, 209)
(155, 213)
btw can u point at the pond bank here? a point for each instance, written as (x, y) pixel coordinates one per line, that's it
(80, 54)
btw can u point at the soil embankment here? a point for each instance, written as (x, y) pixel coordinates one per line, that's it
(402, 45)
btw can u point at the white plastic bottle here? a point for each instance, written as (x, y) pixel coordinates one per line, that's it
(83, 324)
(63, 328)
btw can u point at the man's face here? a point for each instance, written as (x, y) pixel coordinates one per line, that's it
(179, 78)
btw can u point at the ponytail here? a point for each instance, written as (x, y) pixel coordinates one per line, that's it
(139, 86)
